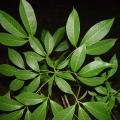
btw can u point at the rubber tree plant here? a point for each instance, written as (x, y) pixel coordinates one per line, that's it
(49, 79)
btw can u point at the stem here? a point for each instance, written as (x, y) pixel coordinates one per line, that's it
(66, 99)
(78, 92)
(63, 101)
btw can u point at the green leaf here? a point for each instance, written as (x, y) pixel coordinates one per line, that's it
(56, 108)
(36, 45)
(7, 70)
(93, 81)
(49, 43)
(28, 17)
(82, 114)
(32, 60)
(16, 115)
(50, 62)
(97, 32)
(58, 35)
(40, 112)
(11, 25)
(16, 58)
(65, 114)
(94, 68)
(16, 84)
(63, 64)
(98, 110)
(113, 70)
(62, 46)
(28, 115)
(73, 27)
(50, 84)
(8, 104)
(25, 74)
(65, 75)
(33, 85)
(12, 41)
(63, 85)
(101, 47)
(28, 98)
(43, 33)
(101, 90)
(78, 58)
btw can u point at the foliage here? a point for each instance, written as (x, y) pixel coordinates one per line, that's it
(55, 63)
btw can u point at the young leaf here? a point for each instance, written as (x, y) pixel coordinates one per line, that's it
(98, 110)
(40, 112)
(62, 46)
(94, 68)
(16, 115)
(43, 33)
(28, 98)
(7, 70)
(16, 58)
(28, 17)
(58, 35)
(93, 81)
(101, 90)
(65, 114)
(101, 47)
(33, 85)
(28, 115)
(78, 58)
(82, 114)
(73, 27)
(36, 45)
(10, 40)
(63, 64)
(11, 25)
(16, 84)
(63, 85)
(8, 104)
(113, 70)
(49, 43)
(97, 32)
(65, 75)
(56, 108)
(25, 74)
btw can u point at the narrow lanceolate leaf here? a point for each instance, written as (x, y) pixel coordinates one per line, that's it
(15, 58)
(32, 60)
(8, 104)
(28, 115)
(28, 17)
(97, 32)
(73, 27)
(94, 68)
(7, 70)
(56, 108)
(101, 90)
(98, 110)
(40, 112)
(49, 43)
(63, 64)
(63, 85)
(16, 84)
(113, 70)
(50, 84)
(16, 115)
(43, 33)
(101, 47)
(28, 98)
(65, 75)
(82, 114)
(50, 62)
(65, 114)
(93, 81)
(78, 58)
(33, 85)
(36, 45)
(11, 25)
(58, 35)
(10, 40)
(25, 74)
(62, 46)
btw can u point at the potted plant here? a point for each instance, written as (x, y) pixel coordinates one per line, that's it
(53, 79)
